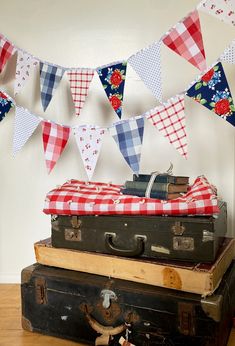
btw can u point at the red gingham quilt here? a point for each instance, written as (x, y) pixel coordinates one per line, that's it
(94, 198)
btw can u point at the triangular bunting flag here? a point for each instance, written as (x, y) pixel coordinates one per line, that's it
(113, 80)
(50, 76)
(89, 140)
(5, 105)
(80, 80)
(212, 91)
(6, 51)
(229, 54)
(128, 134)
(24, 126)
(169, 119)
(185, 39)
(223, 10)
(55, 138)
(147, 64)
(24, 64)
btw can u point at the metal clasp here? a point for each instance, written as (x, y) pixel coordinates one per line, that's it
(107, 295)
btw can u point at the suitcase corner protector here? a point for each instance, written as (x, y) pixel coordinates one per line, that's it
(26, 324)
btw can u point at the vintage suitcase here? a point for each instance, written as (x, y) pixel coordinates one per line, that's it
(97, 310)
(190, 238)
(199, 278)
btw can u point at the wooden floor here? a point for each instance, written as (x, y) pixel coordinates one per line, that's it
(11, 333)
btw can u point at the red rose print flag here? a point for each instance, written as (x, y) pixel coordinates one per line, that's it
(223, 10)
(212, 91)
(113, 80)
(185, 39)
(169, 119)
(6, 51)
(55, 138)
(89, 140)
(80, 80)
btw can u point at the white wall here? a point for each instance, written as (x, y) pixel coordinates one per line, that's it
(92, 33)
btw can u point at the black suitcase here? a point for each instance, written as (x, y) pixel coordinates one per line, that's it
(190, 238)
(98, 310)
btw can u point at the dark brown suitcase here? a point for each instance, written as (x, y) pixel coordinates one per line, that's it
(98, 310)
(190, 238)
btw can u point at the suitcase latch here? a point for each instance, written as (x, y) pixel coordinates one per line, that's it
(72, 234)
(183, 243)
(107, 296)
(186, 315)
(40, 291)
(178, 228)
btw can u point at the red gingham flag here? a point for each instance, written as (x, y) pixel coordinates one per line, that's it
(80, 80)
(95, 198)
(169, 119)
(186, 40)
(6, 51)
(55, 138)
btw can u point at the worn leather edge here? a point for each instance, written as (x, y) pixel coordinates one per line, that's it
(26, 273)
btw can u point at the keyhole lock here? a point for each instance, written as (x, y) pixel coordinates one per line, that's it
(107, 296)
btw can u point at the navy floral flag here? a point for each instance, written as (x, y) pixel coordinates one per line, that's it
(212, 91)
(113, 80)
(5, 105)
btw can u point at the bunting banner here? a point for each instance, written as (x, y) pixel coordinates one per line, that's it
(229, 54)
(24, 126)
(212, 91)
(5, 105)
(186, 40)
(128, 134)
(50, 76)
(80, 80)
(6, 51)
(25, 62)
(147, 64)
(89, 140)
(169, 119)
(112, 78)
(55, 138)
(223, 10)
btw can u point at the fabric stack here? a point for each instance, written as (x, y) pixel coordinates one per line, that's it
(127, 270)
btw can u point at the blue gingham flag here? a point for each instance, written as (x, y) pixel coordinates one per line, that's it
(128, 134)
(147, 64)
(50, 76)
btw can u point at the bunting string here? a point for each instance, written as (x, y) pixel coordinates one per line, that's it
(210, 89)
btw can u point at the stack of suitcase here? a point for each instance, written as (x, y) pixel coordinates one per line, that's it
(133, 280)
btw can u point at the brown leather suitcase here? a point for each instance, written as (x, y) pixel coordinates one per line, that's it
(98, 310)
(189, 238)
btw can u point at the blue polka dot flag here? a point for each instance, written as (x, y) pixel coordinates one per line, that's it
(128, 134)
(212, 91)
(5, 105)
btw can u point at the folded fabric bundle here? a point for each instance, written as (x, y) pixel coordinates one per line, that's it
(94, 198)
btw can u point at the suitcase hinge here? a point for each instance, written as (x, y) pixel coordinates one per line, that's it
(186, 316)
(178, 228)
(75, 221)
(40, 291)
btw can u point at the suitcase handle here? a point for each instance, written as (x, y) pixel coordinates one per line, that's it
(111, 247)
